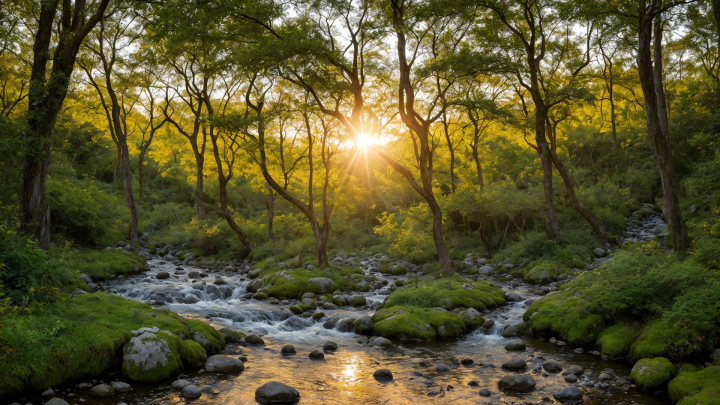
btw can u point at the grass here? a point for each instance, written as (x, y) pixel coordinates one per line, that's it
(616, 340)
(105, 264)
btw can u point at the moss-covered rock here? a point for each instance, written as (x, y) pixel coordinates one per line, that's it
(616, 340)
(399, 270)
(696, 387)
(152, 355)
(652, 374)
(295, 283)
(652, 341)
(296, 309)
(192, 354)
(208, 337)
(586, 331)
(472, 319)
(231, 336)
(105, 264)
(417, 323)
(449, 292)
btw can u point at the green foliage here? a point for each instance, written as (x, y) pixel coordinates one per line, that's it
(696, 387)
(653, 373)
(408, 233)
(105, 264)
(616, 340)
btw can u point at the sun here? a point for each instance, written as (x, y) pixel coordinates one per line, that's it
(364, 141)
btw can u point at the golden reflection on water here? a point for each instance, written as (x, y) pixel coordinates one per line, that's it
(350, 370)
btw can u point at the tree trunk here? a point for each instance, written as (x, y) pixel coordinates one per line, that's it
(140, 178)
(452, 152)
(129, 199)
(612, 117)
(658, 78)
(658, 141)
(543, 149)
(478, 167)
(242, 237)
(271, 211)
(199, 201)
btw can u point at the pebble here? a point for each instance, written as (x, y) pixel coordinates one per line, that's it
(191, 392)
(178, 385)
(383, 374)
(317, 354)
(330, 346)
(484, 392)
(441, 368)
(288, 349)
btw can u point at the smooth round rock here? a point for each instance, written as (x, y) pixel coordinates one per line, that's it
(521, 383)
(552, 366)
(571, 378)
(330, 346)
(383, 374)
(56, 401)
(223, 364)
(120, 386)
(484, 392)
(254, 340)
(102, 391)
(275, 392)
(515, 345)
(162, 275)
(178, 385)
(288, 349)
(48, 393)
(317, 354)
(191, 392)
(515, 364)
(382, 342)
(571, 394)
(604, 377)
(467, 362)
(441, 368)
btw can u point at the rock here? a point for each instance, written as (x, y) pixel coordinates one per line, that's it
(599, 252)
(318, 316)
(308, 304)
(102, 391)
(193, 274)
(382, 342)
(346, 325)
(357, 300)
(577, 370)
(472, 383)
(652, 374)
(484, 392)
(485, 270)
(488, 324)
(322, 284)
(552, 366)
(571, 394)
(230, 335)
(219, 281)
(317, 354)
(330, 346)
(441, 368)
(260, 296)
(515, 330)
(178, 385)
(162, 275)
(148, 356)
(515, 345)
(191, 392)
(120, 386)
(467, 362)
(54, 401)
(275, 392)
(522, 383)
(223, 364)
(513, 297)
(604, 377)
(515, 364)
(571, 378)
(288, 349)
(364, 325)
(254, 340)
(48, 393)
(383, 374)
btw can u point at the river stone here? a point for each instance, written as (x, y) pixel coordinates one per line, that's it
(162, 275)
(571, 394)
(330, 346)
(102, 391)
(571, 378)
(515, 345)
(515, 364)
(484, 392)
(485, 270)
(223, 364)
(317, 354)
(178, 385)
(382, 342)
(254, 340)
(55, 401)
(383, 374)
(364, 325)
(652, 373)
(191, 392)
(148, 354)
(274, 392)
(346, 325)
(441, 368)
(522, 382)
(48, 393)
(513, 297)
(488, 324)
(120, 386)
(515, 330)
(194, 274)
(308, 303)
(230, 335)
(254, 286)
(552, 366)
(322, 284)
(288, 349)
(577, 370)
(260, 296)
(599, 252)
(604, 377)
(357, 300)
(339, 300)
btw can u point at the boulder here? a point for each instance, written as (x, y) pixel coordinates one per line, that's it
(330, 346)
(382, 342)
(515, 364)
(346, 325)
(149, 357)
(308, 304)
(383, 374)
(484, 392)
(275, 392)
(521, 383)
(515, 345)
(190, 392)
(552, 366)
(231, 336)
(288, 349)
(569, 394)
(357, 300)
(364, 325)
(254, 340)
(653, 374)
(55, 401)
(178, 385)
(223, 364)
(102, 391)
(515, 330)
(120, 386)
(513, 297)
(162, 275)
(323, 285)
(599, 252)
(317, 354)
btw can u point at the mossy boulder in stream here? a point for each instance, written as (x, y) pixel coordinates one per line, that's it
(652, 374)
(151, 355)
(294, 283)
(417, 323)
(696, 387)
(208, 337)
(448, 293)
(652, 341)
(192, 354)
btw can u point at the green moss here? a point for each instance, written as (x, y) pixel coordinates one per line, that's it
(279, 286)
(105, 264)
(192, 354)
(653, 373)
(161, 371)
(586, 331)
(208, 337)
(698, 387)
(231, 336)
(448, 293)
(652, 341)
(399, 271)
(296, 309)
(616, 340)
(417, 323)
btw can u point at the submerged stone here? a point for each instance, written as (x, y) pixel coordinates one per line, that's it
(275, 392)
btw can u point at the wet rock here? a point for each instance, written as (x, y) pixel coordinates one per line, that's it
(472, 383)
(223, 364)
(102, 391)
(317, 354)
(53, 401)
(346, 325)
(275, 392)
(383, 374)
(441, 368)
(260, 296)
(515, 330)
(552, 366)
(467, 362)
(178, 385)
(571, 378)
(522, 383)
(382, 342)
(515, 364)
(515, 345)
(318, 316)
(254, 340)
(511, 296)
(162, 275)
(48, 393)
(577, 370)
(288, 349)
(194, 274)
(488, 324)
(120, 386)
(308, 304)
(364, 325)
(330, 346)
(357, 300)
(322, 285)
(330, 323)
(230, 335)
(219, 281)
(191, 392)
(484, 392)
(604, 377)
(599, 252)
(569, 394)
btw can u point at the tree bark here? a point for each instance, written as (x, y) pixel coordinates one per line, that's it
(658, 140)
(271, 211)
(451, 150)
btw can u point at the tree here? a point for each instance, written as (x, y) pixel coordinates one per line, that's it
(45, 99)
